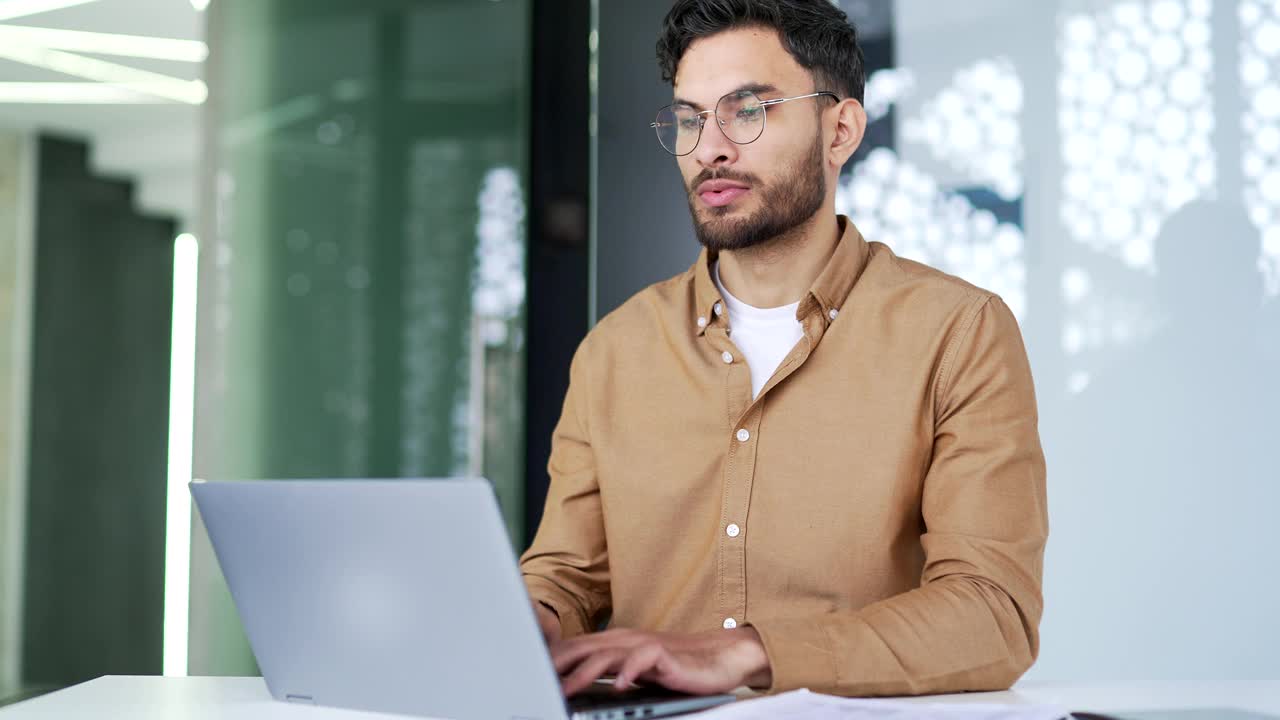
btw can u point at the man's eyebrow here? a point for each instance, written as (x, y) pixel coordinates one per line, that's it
(754, 87)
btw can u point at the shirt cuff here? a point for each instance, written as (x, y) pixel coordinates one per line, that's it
(573, 618)
(800, 654)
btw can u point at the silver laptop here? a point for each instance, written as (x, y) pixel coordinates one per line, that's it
(398, 596)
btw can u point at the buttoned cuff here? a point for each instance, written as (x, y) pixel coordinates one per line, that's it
(800, 654)
(573, 617)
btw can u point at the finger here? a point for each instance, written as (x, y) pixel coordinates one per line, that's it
(565, 655)
(591, 669)
(641, 660)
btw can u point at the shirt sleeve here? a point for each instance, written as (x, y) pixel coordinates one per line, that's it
(973, 622)
(566, 567)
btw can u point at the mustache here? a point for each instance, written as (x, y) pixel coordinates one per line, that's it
(722, 174)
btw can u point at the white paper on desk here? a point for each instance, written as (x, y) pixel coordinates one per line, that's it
(802, 704)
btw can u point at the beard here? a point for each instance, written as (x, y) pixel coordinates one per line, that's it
(785, 204)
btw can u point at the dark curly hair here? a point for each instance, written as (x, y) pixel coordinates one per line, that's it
(816, 33)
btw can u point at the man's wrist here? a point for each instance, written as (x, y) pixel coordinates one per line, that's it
(749, 651)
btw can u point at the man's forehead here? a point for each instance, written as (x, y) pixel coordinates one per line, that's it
(721, 63)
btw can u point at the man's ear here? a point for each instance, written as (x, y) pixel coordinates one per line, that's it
(851, 126)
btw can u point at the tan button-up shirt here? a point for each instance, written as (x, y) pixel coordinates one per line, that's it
(881, 522)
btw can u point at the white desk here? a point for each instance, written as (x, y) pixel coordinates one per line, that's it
(201, 698)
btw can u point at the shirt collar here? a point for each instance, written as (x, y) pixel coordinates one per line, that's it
(825, 296)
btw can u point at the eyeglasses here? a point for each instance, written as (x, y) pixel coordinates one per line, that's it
(740, 115)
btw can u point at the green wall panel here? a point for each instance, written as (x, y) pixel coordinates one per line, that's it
(94, 567)
(362, 285)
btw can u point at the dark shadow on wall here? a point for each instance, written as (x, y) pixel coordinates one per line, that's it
(1177, 425)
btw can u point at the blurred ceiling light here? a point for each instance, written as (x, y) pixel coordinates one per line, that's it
(10, 9)
(107, 43)
(193, 92)
(72, 93)
(200, 5)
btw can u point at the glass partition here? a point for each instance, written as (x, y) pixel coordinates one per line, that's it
(362, 292)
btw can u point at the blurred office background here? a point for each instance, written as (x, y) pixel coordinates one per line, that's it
(251, 239)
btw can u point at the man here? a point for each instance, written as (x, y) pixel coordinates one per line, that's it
(805, 462)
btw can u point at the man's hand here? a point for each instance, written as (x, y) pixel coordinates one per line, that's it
(698, 663)
(548, 622)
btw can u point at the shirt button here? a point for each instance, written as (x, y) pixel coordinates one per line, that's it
(730, 623)
(733, 530)
(718, 308)
(834, 312)
(743, 435)
(702, 322)
(727, 357)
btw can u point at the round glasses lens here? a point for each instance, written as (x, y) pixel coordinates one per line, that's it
(741, 115)
(678, 128)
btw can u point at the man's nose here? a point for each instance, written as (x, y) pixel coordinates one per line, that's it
(714, 147)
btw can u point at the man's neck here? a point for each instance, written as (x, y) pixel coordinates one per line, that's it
(782, 270)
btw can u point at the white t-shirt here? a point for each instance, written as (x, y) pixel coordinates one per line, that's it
(764, 335)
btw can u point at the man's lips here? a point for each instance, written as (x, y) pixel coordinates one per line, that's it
(718, 193)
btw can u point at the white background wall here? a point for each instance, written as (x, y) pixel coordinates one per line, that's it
(1144, 148)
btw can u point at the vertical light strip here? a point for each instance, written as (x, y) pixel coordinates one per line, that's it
(182, 367)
